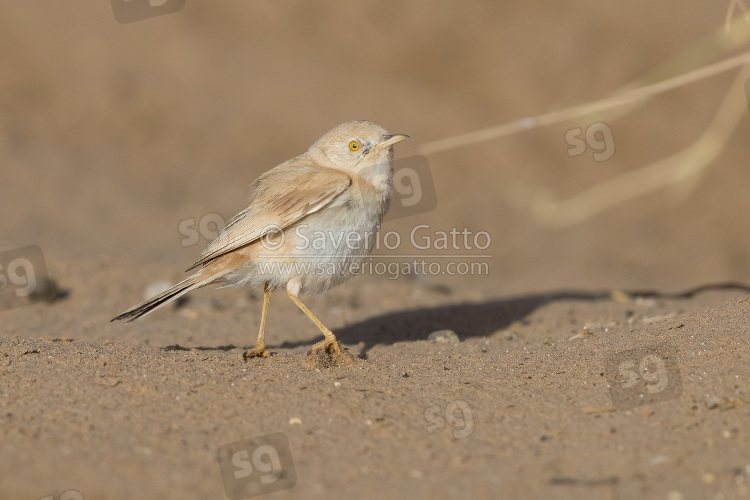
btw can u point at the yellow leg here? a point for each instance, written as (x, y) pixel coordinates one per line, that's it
(330, 341)
(260, 346)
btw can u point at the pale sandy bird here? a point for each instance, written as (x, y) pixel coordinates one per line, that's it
(310, 223)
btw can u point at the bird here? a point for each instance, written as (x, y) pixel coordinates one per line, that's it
(309, 224)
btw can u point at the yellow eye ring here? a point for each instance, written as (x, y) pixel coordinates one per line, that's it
(354, 145)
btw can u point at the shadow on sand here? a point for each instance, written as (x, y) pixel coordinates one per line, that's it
(470, 319)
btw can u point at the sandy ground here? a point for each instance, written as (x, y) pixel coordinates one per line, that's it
(604, 359)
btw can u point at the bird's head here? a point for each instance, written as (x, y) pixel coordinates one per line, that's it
(358, 147)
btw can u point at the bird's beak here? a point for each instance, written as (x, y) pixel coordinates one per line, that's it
(390, 140)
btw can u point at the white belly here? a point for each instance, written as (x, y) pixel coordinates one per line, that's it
(322, 250)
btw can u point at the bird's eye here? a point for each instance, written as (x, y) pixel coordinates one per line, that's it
(354, 145)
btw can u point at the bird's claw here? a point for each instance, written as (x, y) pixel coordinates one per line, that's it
(256, 352)
(329, 346)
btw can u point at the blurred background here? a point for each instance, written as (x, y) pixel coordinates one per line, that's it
(113, 134)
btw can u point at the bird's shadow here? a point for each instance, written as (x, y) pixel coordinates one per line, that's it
(480, 319)
(470, 319)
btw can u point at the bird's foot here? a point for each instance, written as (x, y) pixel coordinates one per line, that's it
(329, 354)
(259, 351)
(328, 346)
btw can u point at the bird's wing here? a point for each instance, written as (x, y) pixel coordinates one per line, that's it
(279, 198)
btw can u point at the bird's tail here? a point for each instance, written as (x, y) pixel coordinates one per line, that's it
(197, 280)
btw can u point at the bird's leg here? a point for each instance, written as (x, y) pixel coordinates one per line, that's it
(260, 346)
(330, 341)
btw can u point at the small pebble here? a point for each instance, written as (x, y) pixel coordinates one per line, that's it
(295, 421)
(510, 335)
(444, 336)
(708, 478)
(658, 460)
(189, 313)
(416, 474)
